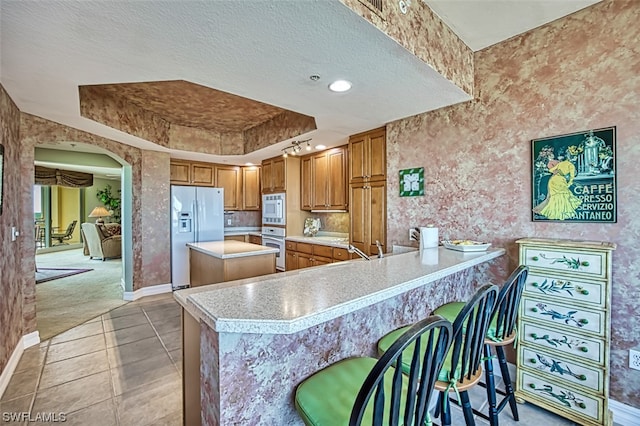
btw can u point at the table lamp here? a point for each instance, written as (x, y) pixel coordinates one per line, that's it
(99, 212)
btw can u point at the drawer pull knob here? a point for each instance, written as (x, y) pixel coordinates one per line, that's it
(534, 309)
(585, 292)
(535, 258)
(584, 263)
(584, 349)
(582, 377)
(533, 360)
(582, 405)
(534, 335)
(535, 284)
(584, 321)
(532, 385)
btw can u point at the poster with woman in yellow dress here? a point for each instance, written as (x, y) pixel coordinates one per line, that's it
(573, 177)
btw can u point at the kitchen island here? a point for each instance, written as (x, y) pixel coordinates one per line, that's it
(260, 337)
(218, 261)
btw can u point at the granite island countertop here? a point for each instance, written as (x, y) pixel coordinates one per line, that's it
(230, 249)
(288, 302)
(325, 240)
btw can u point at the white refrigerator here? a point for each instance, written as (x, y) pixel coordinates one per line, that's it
(197, 215)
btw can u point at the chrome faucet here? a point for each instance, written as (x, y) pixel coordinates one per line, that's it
(380, 253)
(356, 250)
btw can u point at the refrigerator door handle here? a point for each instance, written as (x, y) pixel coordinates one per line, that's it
(196, 223)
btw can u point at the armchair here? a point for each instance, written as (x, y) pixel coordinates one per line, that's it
(100, 243)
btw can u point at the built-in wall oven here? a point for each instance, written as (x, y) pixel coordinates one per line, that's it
(274, 211)
(274, 237)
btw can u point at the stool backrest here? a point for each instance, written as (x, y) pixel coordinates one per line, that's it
(425, 344)
(469, 330)
(506, 310)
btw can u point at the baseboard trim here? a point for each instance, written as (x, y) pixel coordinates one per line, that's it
(25, 342)
(623, 414)
(147, 291)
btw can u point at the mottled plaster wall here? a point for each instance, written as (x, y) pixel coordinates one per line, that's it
(35, 131)
(11, 261)
(156, 236)
(577, 73)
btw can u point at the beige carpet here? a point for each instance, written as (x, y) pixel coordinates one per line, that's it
(67, 302)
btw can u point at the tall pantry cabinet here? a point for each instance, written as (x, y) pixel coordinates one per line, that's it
(368, 190)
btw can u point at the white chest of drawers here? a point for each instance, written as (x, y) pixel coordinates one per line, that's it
(564, 328)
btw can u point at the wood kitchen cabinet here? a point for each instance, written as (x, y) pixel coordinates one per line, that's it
(255, 239)
(303, 255)
(191, 173)
(368, 190)
(368, 216)
(368, 156)
(324, 180)
(251, 188)
(274, 175)
(230, 179)
(564, 328)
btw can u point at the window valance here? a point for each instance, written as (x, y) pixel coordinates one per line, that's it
(47, 176)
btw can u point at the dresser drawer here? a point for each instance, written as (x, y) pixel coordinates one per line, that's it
(543, 285)
(561, 369)
(574, 261)
(304, 248)
(568, 343)
(291, 245)
(556, 396)
(340, 254)
(562, 316)
(324, 251)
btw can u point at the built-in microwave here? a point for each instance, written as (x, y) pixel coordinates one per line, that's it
(274, 209)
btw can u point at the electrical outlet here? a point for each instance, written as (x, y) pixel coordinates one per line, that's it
(413, 234)
(634, 359)
(228, 221)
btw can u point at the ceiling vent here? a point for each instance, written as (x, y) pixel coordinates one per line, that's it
(374, 5)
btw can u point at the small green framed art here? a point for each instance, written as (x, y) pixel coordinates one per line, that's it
(412, 182)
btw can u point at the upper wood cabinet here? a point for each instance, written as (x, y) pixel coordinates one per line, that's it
(306, 203)
(368, 156)
(241, 184)
(324, 180)
(230, 179)
(274, 174)
(251, 188)
(191, 173)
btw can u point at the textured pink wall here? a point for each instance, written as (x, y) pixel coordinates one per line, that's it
(11, 261)
(577, 73)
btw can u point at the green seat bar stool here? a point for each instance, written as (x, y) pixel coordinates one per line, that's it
(369, 391)
(502, 332)
(462, 366)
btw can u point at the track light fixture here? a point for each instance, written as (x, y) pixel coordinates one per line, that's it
(295, 148)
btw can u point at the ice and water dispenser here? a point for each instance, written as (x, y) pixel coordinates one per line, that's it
(184, 222)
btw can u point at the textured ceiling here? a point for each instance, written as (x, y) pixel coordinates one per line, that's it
(193, 105)
(259, 50)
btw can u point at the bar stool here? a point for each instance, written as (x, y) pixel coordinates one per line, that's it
(369, 391)
(461, 369)
(502, 332)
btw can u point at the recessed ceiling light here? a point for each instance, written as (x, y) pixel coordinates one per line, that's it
(320, 146)
(340, 86)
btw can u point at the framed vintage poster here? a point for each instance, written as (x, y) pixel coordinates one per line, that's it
(574, 177)
(412, 182)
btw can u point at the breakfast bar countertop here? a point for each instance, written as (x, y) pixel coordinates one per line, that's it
(288, 302)
(230, 249)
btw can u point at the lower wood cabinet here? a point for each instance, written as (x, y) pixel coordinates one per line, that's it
(564, 327)
(303, 255)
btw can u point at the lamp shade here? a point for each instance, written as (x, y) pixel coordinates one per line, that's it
(99, 212)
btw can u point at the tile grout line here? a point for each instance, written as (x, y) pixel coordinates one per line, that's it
(113, 386)
(161, 342)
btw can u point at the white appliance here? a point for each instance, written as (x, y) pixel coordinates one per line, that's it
(274, 238)
(274, 210)
(197, 215)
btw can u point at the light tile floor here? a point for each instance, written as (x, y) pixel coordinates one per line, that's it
(124, 369)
